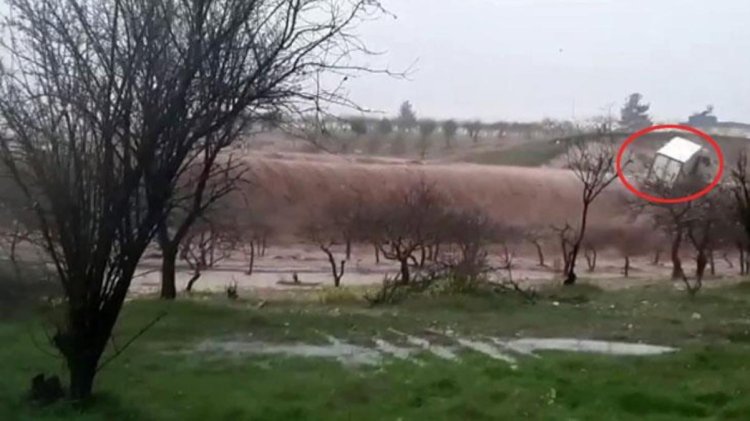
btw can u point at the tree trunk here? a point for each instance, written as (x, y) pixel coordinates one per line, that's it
(405, 271)
(193, 280)
(742, 260)
(712, 262)
(82, 372)
(626, 269)
(337, 281)
(13, 244)
(677, 272)
(337, 273)
(168, 271)
(377, 255)
(263, 245)
(82, 344)
(251, 264)
(590, 255)
(657, 257)
(348, 249)
(539, 253)
(700, 266)
(571, 277)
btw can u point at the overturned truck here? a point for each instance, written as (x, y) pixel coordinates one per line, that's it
(681, 160)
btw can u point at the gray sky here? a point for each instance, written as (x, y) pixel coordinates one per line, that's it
(530, 59)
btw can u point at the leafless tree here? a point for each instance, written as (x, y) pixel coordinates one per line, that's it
(405, 223)
(739, 186)
(474, 129)
(597, 239)
(703, 222)
(630, 241)
(537, 236)
(702, 231)
(200, 187)
(251, 221)
(241, 81)
(207, 244)
(673, 219)
(593, 164)
(346, 212)
(254, 242)
(326, 237)
(106, 105)
(565, 238)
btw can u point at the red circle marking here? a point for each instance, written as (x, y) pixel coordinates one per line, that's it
(683, 199)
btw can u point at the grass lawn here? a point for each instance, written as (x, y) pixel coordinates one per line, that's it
(530, 154)
(161, 377)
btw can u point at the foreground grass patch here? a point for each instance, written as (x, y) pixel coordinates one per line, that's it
(160, 378)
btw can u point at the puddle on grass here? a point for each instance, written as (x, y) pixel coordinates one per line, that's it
(425, 345)
(396, 351)
(347, 354)
(529, 345)
(381, 350)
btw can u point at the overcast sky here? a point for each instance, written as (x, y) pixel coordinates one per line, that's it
(530, 59)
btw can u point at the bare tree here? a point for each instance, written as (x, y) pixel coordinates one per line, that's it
(474, 128)
(593, 164)
(673, 219)
(565, 238)
(326, 238)
(704, 223)
(254, 238)
(106, 105)
(450, 127)
(198, 191)
(240, 81)
(405, 223)
(537, 237)
(426, 129)
(597, 238)
(630, 241)
(207, 244)
(740, 188)
(702, 230)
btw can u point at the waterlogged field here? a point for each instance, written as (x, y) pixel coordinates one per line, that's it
(327, 355)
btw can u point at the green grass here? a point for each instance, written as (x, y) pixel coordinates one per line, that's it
(531, 154)
(159, 379)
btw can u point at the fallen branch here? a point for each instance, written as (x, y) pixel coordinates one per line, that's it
(140, 333)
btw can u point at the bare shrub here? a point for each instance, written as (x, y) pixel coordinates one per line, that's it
(391, 291)
(470, 232)
(232, 291)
